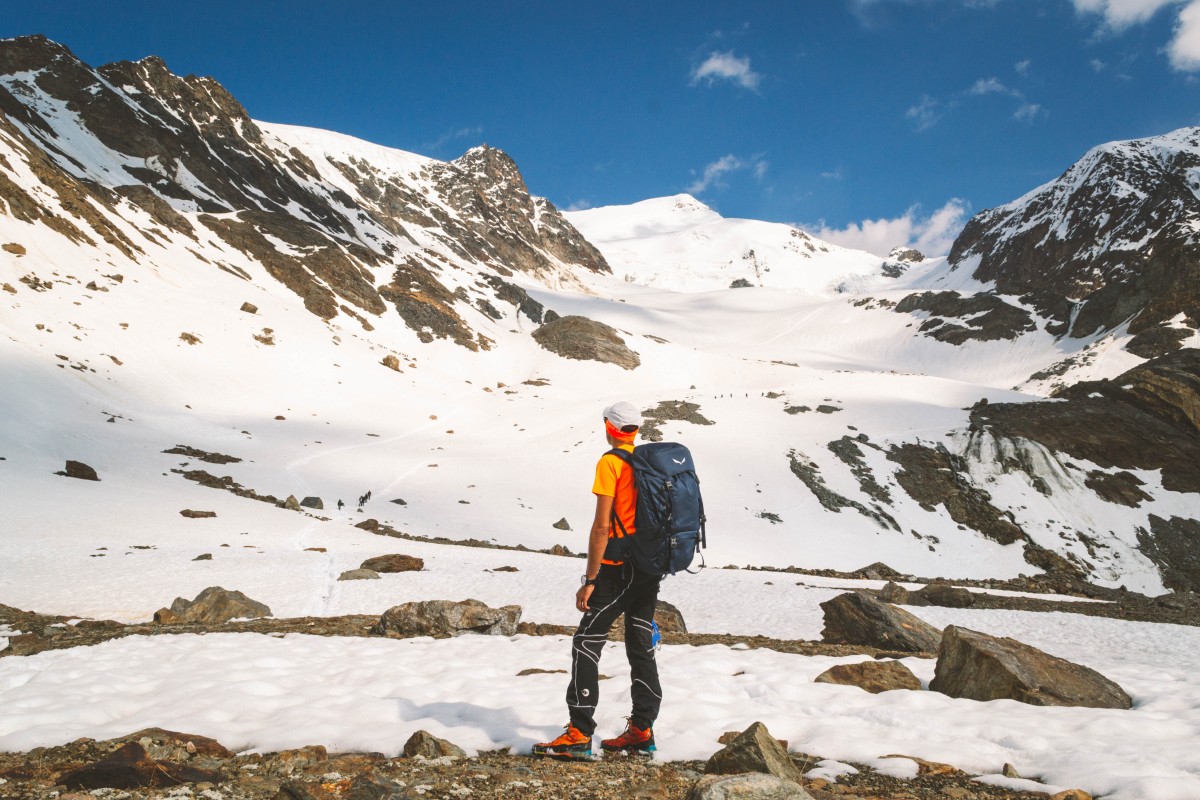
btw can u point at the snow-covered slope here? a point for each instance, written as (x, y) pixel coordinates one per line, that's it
(681, 244)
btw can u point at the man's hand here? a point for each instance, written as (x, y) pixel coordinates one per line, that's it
(582, 596)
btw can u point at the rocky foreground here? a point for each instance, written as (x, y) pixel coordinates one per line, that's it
(155, 763)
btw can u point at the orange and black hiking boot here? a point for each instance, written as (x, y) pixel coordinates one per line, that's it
(632, 740)
(573, 743)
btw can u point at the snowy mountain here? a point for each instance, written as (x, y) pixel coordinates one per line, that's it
(681, 244)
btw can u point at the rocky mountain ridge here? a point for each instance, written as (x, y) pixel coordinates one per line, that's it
(140, 158)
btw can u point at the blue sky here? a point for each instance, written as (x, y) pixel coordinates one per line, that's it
(872, 122)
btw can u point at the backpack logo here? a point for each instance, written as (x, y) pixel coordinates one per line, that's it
(679, 461)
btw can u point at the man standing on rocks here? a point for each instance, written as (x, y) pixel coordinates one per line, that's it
(611, 588)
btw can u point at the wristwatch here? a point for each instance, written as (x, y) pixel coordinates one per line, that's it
(586, 581)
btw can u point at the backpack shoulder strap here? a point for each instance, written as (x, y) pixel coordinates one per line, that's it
(624, 456)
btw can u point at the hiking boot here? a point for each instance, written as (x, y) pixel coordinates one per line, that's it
(573, 743)
(632, 740)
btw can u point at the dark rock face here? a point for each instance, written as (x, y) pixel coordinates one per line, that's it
(441, 618)
(675, 410)
(394, 562)
(754, 750)
(1114, 230)
(855, 618)
(584, 339)
(976, 666)
(1174, 547)
(216, 605)
(1147, 418)
(313, 502)
(809, 474)
(80, 470)
(131, 767)
(980, 317)
(424, 743)
(871, 676)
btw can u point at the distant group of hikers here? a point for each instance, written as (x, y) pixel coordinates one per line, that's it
(362, 501)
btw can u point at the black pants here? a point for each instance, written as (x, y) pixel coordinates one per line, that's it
(619, 589)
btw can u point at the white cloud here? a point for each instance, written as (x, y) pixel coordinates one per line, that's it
(579, 205)
(728, 67)
(1118, 15)
(1028, 112)
(991, 86)
(1022, 67)
(453, 135)
(712, 174)
(924, 114)
(1098, 65)
(1184, 49)
(932, 235)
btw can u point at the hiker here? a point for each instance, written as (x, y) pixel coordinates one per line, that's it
(340, 504)
(610, 588)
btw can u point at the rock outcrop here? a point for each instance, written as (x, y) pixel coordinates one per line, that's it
(80, 470)
(585, 339)
(981, 667)
(442, 618)
(856, 618)
(393, 562)
(215, 605)
(871, 676)
(754, 750)
(423, 743)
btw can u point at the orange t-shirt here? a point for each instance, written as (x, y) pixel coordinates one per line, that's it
(614, 479)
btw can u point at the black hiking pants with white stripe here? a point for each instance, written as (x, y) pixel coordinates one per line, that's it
(619, 589)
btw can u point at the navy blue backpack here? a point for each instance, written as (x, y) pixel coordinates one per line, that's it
(670, 511)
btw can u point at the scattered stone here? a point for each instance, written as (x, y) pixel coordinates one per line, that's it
(202, 455)
(313, 502)
(424, 743)
(130, 767)
(878, 571)
(216, 605)
(752, 786)
(943, 594)
(1009, 771)
(562, 525)
(538, 671)
(190, 338)
(395, 562)
(560, 550)
(872, 676)
(8, 288)
(894, 593)
(165, 616)
(80, 470)
(193, 514)
(315, 550)
(14, 248)
(440, 618)
(855, 618)
(291, 504)
(249, 308)
(398, 501)
(391, 362)
(981, 667)
(506, 569)
(203, 557)
(754, 750)
(1071, 794)
(359, 575)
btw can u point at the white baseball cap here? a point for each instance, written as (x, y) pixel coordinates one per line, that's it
(623, 414)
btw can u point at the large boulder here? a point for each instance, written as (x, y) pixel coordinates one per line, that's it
(754, 750)
(313, 502)
(359, 575)
(215, 605)
(586, 340)
(981, 667)
(394, 562)
(855, 618)
(943, 594)
(750, 786)
(424, 743)
(872, 676)
(447, 618)
(668, 617)
(80, 470)
(130, 767)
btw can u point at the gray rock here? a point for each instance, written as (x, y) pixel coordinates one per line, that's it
(751, 786)
(359, 575)
(893, 592)
(203, 557)
(249, 308)
(424, 743)
(80, 470)
(291, 504)
(855, 618)
(447, 618)
(943, 594)
(754, 750)
(586, 340)
(393, 562)
(871, 676)
(215, 605)
(313, 502)
(562, 525)
(669, 618)
(192, 513)
(981, 667)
